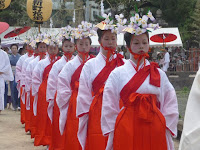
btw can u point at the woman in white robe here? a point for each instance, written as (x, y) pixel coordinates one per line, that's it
(53, 110)
(157, 85)
(67, 91)
(5, 74)
(92, 80)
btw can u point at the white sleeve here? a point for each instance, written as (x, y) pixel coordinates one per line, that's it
(23, 72)
(6, 69)
(28, 78)
(18, 70)
(110, 104)
(51, 90)
(191, 128)
(63, 94)
(169, 107)
(52, 83)
(84, 98)
(110, 108)
(36, 79)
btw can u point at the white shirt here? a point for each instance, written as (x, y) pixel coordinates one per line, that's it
(167, 58)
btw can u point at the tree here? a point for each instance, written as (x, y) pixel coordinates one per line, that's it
(175, 12)
(15, 14)
(194, 26)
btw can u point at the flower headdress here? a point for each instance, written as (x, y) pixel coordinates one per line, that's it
(84, 30)
(52, 40)
(32, 42)
(109, 23)
(139, 25)
(67, 33)
(47, 39)
(28, 40)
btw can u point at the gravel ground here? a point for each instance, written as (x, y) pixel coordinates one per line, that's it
(12, 133)
(13, 136)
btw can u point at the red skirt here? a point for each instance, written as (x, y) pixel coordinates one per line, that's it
(27, 116)
(32, 117)
(23, 107)
(140, 125)
(57, 138)
(95, 139)
(71, 128)
(43, 126)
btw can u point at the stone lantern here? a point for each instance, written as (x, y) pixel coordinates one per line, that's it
(4, 4)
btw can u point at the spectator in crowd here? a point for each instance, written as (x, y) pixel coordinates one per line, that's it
(22, 51)
(178, 63)
(166, 60)
(14, 57)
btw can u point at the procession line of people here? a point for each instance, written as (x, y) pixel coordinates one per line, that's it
(96, 103)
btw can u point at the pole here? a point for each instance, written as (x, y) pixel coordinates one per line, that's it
(39, 28)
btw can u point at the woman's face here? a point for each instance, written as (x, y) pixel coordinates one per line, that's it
(139, 44)
(29, 47)
(109, 39)
(42, 47)
(14, 49)
(83, 45)
(52, 50)
(68, 46)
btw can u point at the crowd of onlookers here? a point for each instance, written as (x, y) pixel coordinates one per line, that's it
(11, 99)
(180, 59)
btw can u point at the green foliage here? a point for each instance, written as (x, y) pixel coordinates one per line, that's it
(15, 14)
(194, 25)
(185, 89)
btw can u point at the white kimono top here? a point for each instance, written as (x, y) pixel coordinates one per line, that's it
(18, 75)
(37, 80)
(23, 71)
(64, 89)
(84, 99)
(29, 72)
(190, 139)
(5, 67)
(165, 94)
(23, 80)
(52, 83)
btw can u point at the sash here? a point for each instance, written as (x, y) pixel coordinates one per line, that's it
(77, 73)
(139, 78)
(48, 69)
(105, 72)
